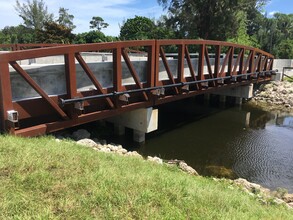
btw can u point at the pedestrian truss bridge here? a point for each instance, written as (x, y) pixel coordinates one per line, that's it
(46, 87)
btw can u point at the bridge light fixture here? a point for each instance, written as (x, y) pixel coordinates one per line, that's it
(185, 88)
(12, 116)
(234, 78)
(158, 92)
(124, 98)
(79, 106)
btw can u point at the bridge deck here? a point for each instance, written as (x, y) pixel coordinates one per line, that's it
(217, 65)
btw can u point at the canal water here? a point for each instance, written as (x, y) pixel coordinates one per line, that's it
(226, 141)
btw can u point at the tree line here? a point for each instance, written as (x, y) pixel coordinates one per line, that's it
(238, 21)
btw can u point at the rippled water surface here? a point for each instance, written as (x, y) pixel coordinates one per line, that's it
(231, 142)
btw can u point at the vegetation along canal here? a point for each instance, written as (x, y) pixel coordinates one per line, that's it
(226, 141)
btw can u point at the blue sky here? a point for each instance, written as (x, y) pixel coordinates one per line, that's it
(283, 6)
(112, 11)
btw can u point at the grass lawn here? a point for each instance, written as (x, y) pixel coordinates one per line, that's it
(43, 179)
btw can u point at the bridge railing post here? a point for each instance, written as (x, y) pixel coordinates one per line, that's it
(201, 62)
(252, 62)
(241, 62)
(217, 61)
(70, 74)
(181, 58)
(117, 70)
(5, 99)
(231, 61)
(151, 66)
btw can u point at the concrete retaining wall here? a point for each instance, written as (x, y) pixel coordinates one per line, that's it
(279, 64)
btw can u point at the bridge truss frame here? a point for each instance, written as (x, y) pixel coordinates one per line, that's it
(240, 65)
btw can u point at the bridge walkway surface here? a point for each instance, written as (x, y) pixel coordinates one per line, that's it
(46, 88)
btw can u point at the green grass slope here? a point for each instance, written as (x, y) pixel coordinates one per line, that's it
(43, 179)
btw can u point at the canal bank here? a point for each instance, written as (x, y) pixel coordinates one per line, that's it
(219, 140)
(264, 195)
(275, 96)
(48, 179)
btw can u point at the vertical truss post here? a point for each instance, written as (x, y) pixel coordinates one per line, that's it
(151, 72)
(117, 71)
(231, 61)
(217, 61)
(70, 72)
(265, 64)
(260, 62)
(5, 98)
(157, 63)
(247, 62)
(252, 62)
(201, 62)
(181, 53)
(241, 61)
(257, 63)
(271, 64)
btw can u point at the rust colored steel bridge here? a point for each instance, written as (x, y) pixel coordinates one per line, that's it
(211, 66)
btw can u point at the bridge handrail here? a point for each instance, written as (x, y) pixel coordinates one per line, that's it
(42, 50)
(16, 47)
(212, 43)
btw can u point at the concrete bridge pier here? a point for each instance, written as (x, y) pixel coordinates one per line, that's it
(207, 97)
(142, 121)
(119, 129)
(223, 98)
(238, 100)
(240, 93)
(138, 136)
(222, 101)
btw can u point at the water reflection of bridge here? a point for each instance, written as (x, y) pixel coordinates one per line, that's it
(284, 121)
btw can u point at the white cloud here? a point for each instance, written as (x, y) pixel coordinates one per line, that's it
(272, 13)
(112, 11)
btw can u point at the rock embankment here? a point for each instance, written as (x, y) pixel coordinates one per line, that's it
(265, 195)
(82, 137)
(277, 95)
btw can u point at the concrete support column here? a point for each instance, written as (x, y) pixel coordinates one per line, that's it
(119, 129)
(238, 101)
(138, 136)
(223, 98)
(142, 121)
(207, 96)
